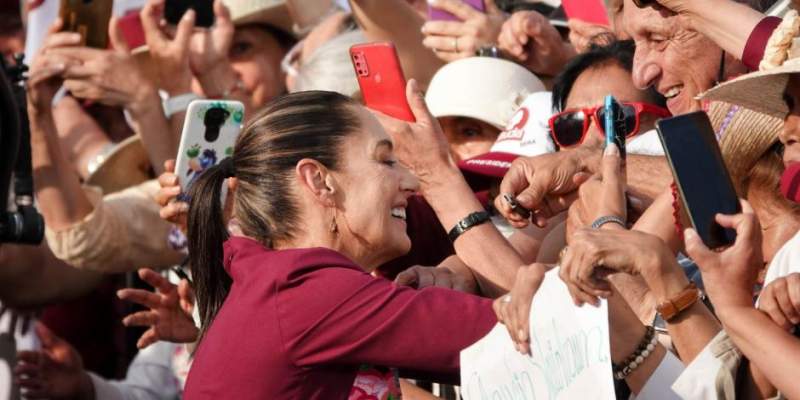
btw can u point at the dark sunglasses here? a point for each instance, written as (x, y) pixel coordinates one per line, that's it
(569, 128)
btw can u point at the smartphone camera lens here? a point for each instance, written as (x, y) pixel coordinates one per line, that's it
(213, 120)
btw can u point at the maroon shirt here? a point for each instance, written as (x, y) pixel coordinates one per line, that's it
(298, 323)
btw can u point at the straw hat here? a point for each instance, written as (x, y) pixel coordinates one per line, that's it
(744, 136)
(484, 88)
(271, 12)
(762, 91)
(125, 165)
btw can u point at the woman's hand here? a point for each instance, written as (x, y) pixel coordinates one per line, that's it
(453, 40)
(600, 196)
(54, 372)
(781, 301)
(420, 277)
(514, 309)
(421, 146)
(582, 35)
(170, 314)
(171, 210)
(729, 275)
(170, 53)
(208, 55)
(530, 40)
(45, 76)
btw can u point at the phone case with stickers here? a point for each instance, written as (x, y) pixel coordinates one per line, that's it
(209, 134)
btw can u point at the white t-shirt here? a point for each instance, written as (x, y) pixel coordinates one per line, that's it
(786, 260)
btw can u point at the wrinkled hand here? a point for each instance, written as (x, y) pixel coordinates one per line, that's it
(729, 275)
(600, 196)
(420, 277)
(514, 309)
(169, 52)
(171, 210)
(111, 77)
(584, 34)
(453, 40)
(45, 75)
(420, 146)
(170, 314)
(545, 184)
(54, 372)
(530, 40)
(781, 301)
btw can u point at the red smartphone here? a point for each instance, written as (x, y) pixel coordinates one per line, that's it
(435, 14)
(380, 77)
(131, 27)
(592, 11)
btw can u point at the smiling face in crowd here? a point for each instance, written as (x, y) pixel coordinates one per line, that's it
(790, 136)
(374, 191)
(256, 55)
(468, 137)
(591, 88)
(679, 62)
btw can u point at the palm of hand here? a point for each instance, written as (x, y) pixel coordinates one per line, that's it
(174, 321)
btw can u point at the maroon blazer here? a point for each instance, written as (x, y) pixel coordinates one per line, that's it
(298, 323)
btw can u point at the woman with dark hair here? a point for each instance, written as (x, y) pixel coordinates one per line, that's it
(320, 200)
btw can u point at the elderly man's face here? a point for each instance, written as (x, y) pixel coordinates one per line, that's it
(679, 62)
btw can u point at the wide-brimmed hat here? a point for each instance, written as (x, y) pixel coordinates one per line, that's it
(762, 91)
(744, 136)
(125, 165)
(526, 134)
(270, 12)
(484, 88)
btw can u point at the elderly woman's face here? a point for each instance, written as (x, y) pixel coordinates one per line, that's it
(374, 194)
(468, 137)
(256, 55)
(790, 136)
(680, 63)
(590, 90)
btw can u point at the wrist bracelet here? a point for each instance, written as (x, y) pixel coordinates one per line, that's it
(470, 221)
(674, 306)
(646, 347)
(598, 223)
(179, 103)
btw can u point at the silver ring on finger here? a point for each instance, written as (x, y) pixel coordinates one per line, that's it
(506, 299)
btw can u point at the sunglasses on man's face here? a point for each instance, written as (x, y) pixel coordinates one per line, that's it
(569, 128)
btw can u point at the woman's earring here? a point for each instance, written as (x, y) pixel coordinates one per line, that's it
(334, 227)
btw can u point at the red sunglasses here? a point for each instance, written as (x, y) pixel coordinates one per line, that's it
(569, 128)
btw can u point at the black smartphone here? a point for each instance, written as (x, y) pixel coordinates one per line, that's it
(174, 10)
(614, 124)
(700, 173)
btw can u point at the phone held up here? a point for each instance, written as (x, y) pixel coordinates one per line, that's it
(89, 18)
(700, 173)
(435, 14)
(209, 134)
(204, 9)
(614, 124)
(380, 77)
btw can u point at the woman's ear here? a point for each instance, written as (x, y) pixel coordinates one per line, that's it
(317, 180)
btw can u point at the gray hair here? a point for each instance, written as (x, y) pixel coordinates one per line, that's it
(329, 67)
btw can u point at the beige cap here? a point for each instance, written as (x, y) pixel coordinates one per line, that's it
(271, 12)
(484, 88)
(124, 165)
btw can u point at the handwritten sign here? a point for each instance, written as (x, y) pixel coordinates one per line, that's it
(569, 358)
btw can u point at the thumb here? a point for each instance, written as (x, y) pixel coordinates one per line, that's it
(184, 30)
(695, 248)
(416, 101)
(611, 165)
(116, 37)
(46, 336)
(407, 278)
(581, 177)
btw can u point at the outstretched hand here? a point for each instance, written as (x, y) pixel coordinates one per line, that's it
(169, 317)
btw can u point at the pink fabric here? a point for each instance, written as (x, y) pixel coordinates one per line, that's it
(297, 324)
(757, 42)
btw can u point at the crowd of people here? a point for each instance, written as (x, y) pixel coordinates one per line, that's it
(342, 253)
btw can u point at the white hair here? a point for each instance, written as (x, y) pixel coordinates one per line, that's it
(330, 68)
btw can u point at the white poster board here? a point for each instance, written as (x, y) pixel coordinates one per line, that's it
(569, 358)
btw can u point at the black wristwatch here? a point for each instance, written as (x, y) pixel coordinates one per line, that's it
(467, 223)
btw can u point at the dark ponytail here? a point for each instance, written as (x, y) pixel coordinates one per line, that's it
(207, 232)
(290, 128)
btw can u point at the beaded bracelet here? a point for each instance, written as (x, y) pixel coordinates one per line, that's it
(646, 347)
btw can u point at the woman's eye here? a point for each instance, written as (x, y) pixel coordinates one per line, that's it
(471, 132)
(240, 48)
(390, 163)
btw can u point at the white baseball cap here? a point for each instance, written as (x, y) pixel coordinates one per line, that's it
(526, 134)
(484, 88)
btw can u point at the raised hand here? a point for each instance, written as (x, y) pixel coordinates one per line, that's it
(169, 52)
(171, 210)
(54, 372)
(530, 40)
(169, 317)
(45, 76)
(452, 40)
(781, 301)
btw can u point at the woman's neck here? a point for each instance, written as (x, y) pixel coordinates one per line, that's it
(777, 227)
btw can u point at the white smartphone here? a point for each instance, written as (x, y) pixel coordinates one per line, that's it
(209, 134)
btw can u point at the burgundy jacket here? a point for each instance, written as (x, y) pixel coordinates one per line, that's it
(298, 323)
